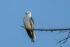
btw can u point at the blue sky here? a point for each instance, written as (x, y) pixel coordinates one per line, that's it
(46, 13)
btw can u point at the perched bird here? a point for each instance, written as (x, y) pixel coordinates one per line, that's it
(29, 25)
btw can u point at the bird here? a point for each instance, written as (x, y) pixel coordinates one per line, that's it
(29, 25)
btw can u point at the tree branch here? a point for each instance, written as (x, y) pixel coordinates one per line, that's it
(62, 29)
(65, 39)
(50, 29)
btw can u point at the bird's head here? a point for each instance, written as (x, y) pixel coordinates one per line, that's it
(28, 13)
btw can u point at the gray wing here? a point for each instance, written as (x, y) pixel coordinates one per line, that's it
(31, 19)
(31, 22)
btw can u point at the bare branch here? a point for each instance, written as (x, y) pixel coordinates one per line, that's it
(62, 29)
(50, 29)
(65, 39)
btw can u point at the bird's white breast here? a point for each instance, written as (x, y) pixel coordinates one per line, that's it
(27, 23)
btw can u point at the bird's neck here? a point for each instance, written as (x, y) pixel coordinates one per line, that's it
(29, 15)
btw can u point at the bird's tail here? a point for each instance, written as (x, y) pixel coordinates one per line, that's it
(33, 36)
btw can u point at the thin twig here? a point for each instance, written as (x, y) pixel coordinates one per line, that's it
(65, 39)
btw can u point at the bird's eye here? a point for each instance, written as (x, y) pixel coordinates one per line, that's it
(27, 12)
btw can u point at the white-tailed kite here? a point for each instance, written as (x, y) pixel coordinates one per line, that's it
(29, 25)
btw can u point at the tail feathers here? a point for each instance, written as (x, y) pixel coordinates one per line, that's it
(33, 37)
(31, 34)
